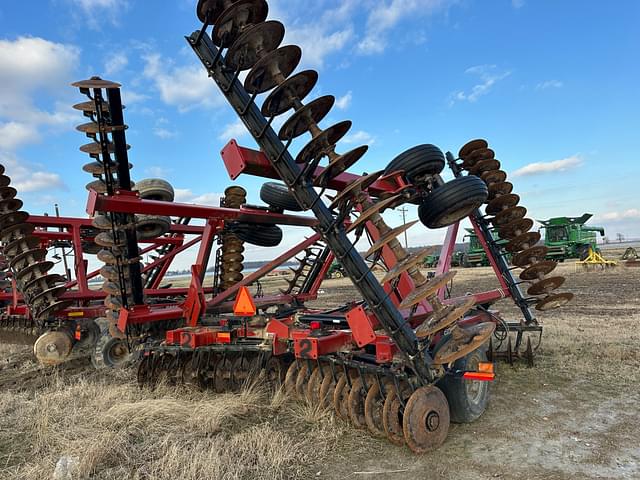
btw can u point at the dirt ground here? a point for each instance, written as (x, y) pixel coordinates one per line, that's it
(575, 415)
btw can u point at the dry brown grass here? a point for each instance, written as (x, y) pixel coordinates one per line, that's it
(118, 431)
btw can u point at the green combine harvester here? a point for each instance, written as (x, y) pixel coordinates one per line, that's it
(568, 237)
(475, 255)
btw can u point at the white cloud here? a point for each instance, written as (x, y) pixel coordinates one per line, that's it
(158, 172)
(317, 42)
(131, 97)
(488, 74)
(388, 14)
(185, 87)
(537, 168)
(13, 135)
(27, 177)
(631, 214)
(185, 195)
(31, 62)
(115, 63)
(163, 133)
(359, 137)
(549, 84)
(30, 66)
(344, 102)
(96, 12)
(235, 130)
(518, 3)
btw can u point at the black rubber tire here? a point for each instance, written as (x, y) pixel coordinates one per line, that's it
(258, 234)
(155, 189)
(418, 161)
(465, 406)
(152, 226)
(453, 201)
(583, 252)
(277, 195)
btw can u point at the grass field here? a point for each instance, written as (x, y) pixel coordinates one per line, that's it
(575, 415)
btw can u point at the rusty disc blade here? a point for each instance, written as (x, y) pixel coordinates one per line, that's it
(523, 242)
(529, 256)
(376, 209)
(33, 272)
(373, 406)
(95, 82)
(426, 420)
(48, 297)
(408, 263)
(306, 117)
(289, 93)
(21, 245)
(236, 18)
(94, 148)
(387, 237)
(105, 239)
(253, 44)
(427, 290)
(272, 69)
(497, 189)
(503, 202)
(359, 185)
(209, 11)
(538, 270)
(477, 156)
(41, 284)
(14, 218)
(323, 142)
(9, 206)
(107, 256)
(554, 301)
(355, 403)
(483, 166)
(472, 339)
(509, 215)
(516, 228)
(546, 286)
(392, 414)
(4, 181)
(471, 146)
(494, 176)
(14, 232)
(110, 273)
(7, 193)
(93, 128)
(438, 321)
(90, 106)
(340, 165)
(53, 348)
(53, 308)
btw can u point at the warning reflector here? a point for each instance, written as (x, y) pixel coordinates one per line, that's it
(244, 306)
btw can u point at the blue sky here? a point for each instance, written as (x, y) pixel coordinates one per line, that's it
(552, 85)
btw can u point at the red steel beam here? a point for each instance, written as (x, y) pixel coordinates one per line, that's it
(125, 202)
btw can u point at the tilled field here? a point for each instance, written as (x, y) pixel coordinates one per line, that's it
(575, 415)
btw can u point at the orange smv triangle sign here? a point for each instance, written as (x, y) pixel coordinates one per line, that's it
(244, 306)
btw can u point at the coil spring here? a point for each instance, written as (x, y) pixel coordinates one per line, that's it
(232, 247)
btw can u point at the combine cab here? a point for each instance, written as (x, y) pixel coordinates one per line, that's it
(568, 237)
